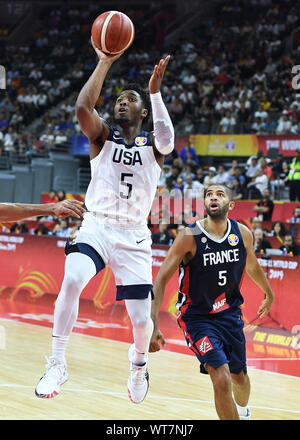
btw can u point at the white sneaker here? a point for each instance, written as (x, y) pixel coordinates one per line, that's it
(56, 375)
(138, 381)
(245, 416)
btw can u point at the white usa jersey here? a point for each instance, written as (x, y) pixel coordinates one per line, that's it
(123, 180)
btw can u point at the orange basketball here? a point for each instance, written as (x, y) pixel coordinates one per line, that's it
(113, 32)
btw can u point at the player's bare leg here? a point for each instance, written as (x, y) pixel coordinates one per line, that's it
(224, 403)
(241, 392)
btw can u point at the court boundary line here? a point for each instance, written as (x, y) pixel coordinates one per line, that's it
(163, 349)
(150, 396)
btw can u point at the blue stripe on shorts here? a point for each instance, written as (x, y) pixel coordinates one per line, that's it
(88, 250)
(134, 291)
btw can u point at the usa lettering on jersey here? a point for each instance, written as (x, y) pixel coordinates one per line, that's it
(220, 257)
(127, 157)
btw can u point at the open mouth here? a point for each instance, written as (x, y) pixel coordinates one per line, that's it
(214, 206)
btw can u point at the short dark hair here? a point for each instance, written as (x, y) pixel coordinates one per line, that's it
(225, 187)
(142, 91)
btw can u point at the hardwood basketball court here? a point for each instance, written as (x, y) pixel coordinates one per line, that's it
(98, 369)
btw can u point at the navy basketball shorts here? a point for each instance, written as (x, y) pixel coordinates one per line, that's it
(216, 339)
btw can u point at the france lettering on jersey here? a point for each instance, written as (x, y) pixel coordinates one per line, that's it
(123, 180)
(210, 282)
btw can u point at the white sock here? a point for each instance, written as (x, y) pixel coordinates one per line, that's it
(142, 327)
(242, 410)
(59, 344)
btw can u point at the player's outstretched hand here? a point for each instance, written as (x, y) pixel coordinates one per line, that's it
(265, 307)
(154, 343)
(104, 56)
(68, 208)
(158, 74)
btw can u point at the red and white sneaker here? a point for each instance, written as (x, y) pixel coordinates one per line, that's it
(56, 375)
(138, 381)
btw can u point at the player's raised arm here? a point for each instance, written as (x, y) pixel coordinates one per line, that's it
(256, 273)
(18, 211)
(90, 123)
(183, 245)
(163, 127)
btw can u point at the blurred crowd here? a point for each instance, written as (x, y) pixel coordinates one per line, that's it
(232, 74)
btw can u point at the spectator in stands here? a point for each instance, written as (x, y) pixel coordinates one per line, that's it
(238, 174)
(258, 156)
(267, 169)
(75, 228)
(41, 227)
(172, 178)
(200, 175)
(51, 197)
(19, 227)
(296, 217)
(237, 190)
(289, 247)
(60, 139)
(258, 184)
(175, 109)
(62, 229)
(256, 223)
(48, 139)
(222, 177)
(61, 195)
(278, 231)
(170, 157)
(193, 188)
(280, 172)
(165, 173)
(258, 125)
(210, 177)
(163, 236)
(269, 126)
(20, 145)
(188, 152)
(260, 243)
(227, 123)
(234, 165)
(179, 188)
(284, 125)
(264, 208)
(294, 178)
(253, 168)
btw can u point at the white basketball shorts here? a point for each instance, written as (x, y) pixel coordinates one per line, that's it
(126, 251)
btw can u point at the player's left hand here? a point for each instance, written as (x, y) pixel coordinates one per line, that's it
(154, 343)
(68, 208)
(158, 74)
(265, 307)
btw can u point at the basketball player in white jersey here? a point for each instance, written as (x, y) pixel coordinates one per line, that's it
(126, 164)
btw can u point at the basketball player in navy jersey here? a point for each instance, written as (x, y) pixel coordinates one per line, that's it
(212, 255)
(126, 164)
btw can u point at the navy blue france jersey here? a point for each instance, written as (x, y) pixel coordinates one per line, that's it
(210, 282)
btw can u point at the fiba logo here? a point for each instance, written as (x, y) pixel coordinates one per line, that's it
(230, 144)
(2, 77)
(140, 141)
(233, 239)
